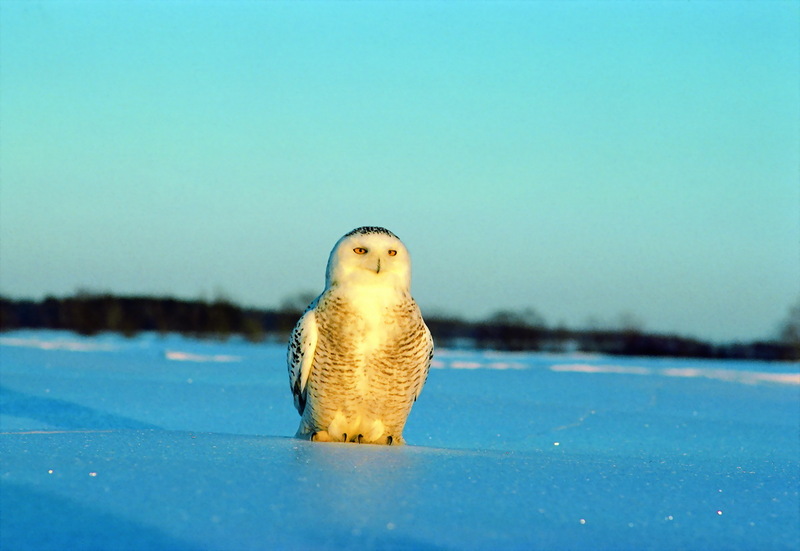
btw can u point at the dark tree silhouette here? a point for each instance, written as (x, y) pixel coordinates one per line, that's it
(90, 313)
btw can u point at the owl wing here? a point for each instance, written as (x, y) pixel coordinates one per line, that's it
(422, 376)
(302, 344)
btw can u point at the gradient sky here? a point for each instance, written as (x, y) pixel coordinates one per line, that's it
(586, 159)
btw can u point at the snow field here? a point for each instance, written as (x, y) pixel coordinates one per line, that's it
(171, 443)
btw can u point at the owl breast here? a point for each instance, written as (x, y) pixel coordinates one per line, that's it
(367, 365)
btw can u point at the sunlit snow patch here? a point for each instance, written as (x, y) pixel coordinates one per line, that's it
(487, 360)
(72, 346)
(459, 364)
(748, 377)
(587, 368)
(731, 375)
(189, 357)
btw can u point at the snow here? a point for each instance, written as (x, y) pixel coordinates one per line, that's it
(172, 443)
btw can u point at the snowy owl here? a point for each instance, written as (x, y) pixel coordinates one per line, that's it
(359, 355)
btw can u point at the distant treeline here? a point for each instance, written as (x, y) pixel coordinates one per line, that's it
(89, 314)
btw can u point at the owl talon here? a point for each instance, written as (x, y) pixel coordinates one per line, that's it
(320, 436)
(389, 440)
(359, 437)
(344, 437)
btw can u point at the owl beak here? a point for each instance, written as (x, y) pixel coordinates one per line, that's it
(378, 268)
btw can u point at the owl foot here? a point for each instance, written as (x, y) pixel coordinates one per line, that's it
(326, 436)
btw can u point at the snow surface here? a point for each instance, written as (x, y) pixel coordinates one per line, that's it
(171, 443)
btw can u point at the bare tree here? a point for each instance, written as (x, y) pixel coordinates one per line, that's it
(790, 327)
(297, 302)
(528, 317)
(630, 323)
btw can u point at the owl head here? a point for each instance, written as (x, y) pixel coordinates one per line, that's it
(369, 256)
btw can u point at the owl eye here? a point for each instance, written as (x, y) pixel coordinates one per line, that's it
(392, 252)
(360, 250)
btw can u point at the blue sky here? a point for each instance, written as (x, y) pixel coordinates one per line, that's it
(586, 159)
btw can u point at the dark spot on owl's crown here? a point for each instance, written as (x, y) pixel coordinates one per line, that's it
(366, 230)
